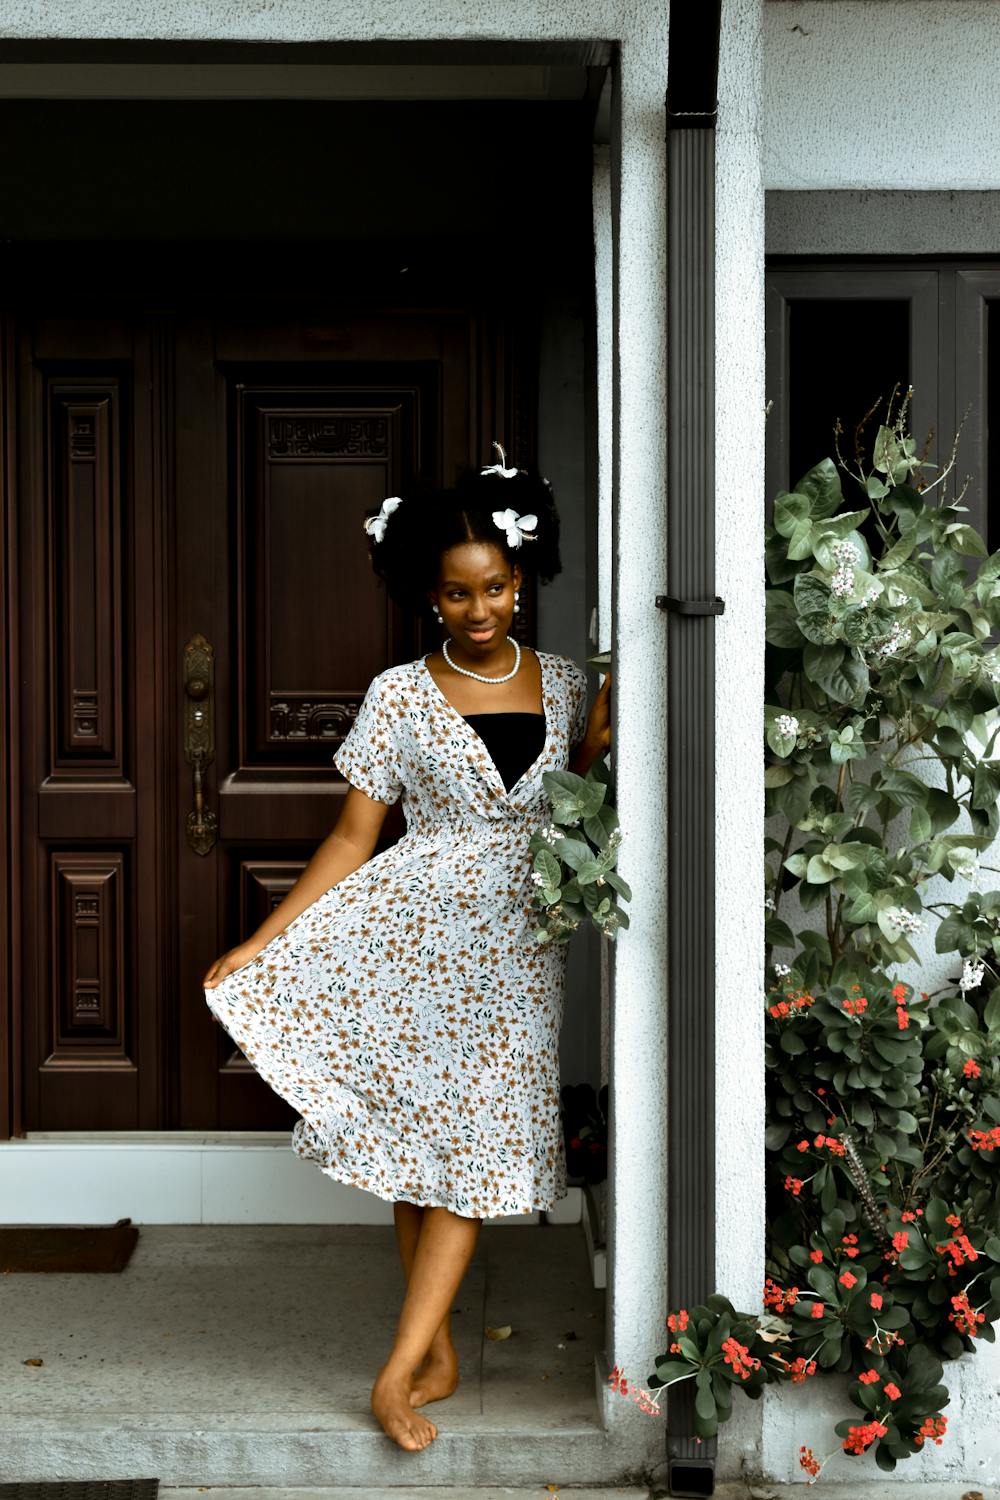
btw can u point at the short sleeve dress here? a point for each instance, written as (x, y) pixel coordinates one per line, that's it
(409, 1014)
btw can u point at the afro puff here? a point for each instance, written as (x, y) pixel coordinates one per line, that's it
(407, 545)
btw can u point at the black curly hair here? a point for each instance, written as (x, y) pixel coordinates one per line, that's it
(428, 522)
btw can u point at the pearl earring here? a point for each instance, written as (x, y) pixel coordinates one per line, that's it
(438, 615)
(517, 607)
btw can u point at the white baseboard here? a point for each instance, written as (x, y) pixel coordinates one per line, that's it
(187, 1177)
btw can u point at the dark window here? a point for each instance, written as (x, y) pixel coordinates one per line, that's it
(843, 356)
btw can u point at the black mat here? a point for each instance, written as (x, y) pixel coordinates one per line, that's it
(43, 1247)
(91, 1489)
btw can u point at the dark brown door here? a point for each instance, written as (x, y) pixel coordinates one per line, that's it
(197, 624)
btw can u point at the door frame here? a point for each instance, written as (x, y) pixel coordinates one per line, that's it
(502, 339)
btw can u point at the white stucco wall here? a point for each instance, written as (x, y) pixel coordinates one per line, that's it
(895, 94)
(739, 661)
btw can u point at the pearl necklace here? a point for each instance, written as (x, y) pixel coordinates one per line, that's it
(478, 675)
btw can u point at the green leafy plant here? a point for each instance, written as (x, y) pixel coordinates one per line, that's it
(883, 1101)
(573, 869)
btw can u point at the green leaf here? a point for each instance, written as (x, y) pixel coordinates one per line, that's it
(965, 539)
(782, 627)
(839, 674)
(546, 865)
(821, 486)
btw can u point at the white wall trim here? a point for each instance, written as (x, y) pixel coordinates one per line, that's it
(183, 1177)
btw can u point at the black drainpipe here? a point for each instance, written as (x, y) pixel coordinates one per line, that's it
(692, 76)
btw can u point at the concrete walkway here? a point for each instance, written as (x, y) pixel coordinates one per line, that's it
(227, 1355)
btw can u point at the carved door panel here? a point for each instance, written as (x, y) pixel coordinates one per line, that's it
(281, 451)
(198, 624)
(88, 956)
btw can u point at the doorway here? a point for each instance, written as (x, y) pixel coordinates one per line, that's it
(199, 426)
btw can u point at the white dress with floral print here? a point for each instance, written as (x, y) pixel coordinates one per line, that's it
(408, 1014)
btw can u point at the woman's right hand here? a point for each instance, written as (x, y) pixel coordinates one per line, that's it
(236, 958)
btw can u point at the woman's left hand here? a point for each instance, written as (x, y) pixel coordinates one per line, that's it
(598, 732)
(597, 736)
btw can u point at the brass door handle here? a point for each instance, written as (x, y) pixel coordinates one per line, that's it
(199, 737)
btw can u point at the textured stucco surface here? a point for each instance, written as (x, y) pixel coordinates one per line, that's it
(842, 222)
(739, 647)
(901, 94)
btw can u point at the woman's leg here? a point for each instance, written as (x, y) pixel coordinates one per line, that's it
(437, 1374)
(443, 1251)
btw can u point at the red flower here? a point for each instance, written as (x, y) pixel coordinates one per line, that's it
(739, 1358)
(816, 1256)
(793, 1185)
(858, 1438)
(809, 1461)
(934, 1427)
(678, 1321)
(892, 1390)
(876, 1301)
(869, 1377)
(965, 1317)
(800, 1370)
(848, 1279)
(900, 1240)
(971, 1068)
(908, 1218)
(818, 1310)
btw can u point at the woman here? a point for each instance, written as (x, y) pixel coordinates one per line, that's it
(400, 1002)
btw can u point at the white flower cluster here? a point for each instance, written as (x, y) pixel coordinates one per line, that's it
(842, 581)
(549, 834)
(872, 595)
(537, 879)
(972, 975)
(904, 920)
(769, 902)
(782, 969)
(787, 724)
(897, 638)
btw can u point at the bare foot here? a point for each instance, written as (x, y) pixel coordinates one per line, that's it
(391, 1405)
(437, 1376)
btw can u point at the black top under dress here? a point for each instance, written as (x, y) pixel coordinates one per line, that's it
(514, 741)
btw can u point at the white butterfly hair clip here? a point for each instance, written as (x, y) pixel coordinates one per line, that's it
(500, 468)
(375, 525)
(517, 527)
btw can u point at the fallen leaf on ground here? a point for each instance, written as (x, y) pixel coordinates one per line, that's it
(973, 1495)
(32, 1361)
(499, 1333)
(553, 1489)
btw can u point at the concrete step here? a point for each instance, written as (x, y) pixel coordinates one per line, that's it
(308, 1451)
(487, 1492)
(241, 1355)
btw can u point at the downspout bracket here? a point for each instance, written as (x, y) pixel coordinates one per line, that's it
(677, 606)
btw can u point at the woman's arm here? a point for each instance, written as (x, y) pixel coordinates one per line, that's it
(350, 845)
(597, 736)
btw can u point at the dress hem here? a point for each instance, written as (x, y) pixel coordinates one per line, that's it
(342, 1176)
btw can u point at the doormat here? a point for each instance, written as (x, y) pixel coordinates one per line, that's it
(100, 1489)
(43, 1247)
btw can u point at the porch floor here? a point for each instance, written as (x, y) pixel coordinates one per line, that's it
(234, 1355)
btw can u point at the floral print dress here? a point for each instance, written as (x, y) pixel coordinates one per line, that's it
(408, 1014)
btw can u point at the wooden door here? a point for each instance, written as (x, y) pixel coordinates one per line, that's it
(195, 605)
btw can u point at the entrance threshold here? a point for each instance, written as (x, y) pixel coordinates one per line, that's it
(238, 1355)
(188, 1177)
